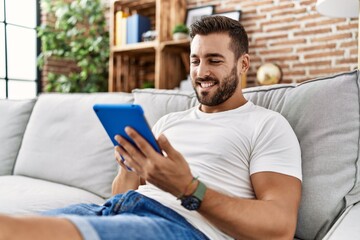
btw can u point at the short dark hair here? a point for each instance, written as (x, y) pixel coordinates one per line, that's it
(220, 24)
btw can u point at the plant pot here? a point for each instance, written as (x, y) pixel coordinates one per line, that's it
(180, 35)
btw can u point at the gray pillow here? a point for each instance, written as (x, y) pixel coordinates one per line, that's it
(157, 103)
(324, 114)
(14, 116)
(66, 143)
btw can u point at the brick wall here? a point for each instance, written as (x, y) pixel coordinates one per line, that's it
(291, 34)
(295, 36)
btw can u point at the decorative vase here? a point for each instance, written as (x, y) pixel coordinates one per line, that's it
(180, 35)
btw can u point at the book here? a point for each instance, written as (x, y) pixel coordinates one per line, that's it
(120, 28)
(136, 26)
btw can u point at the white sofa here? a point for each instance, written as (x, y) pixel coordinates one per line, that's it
(54, 152)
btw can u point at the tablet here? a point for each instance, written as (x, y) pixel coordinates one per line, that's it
(115, 117)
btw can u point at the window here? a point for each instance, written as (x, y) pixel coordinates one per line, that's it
(19, 48)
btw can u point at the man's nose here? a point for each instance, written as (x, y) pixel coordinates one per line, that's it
(203, 70)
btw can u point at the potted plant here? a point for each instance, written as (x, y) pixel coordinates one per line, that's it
(79, 35)
(180, 31)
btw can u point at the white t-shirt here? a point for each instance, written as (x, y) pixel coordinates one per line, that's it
(224, 149)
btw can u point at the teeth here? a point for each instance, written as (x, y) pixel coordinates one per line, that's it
(207, 84)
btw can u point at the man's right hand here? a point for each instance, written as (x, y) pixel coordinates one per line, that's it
(125, 179)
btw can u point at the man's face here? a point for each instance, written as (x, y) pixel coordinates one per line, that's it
(213, 69)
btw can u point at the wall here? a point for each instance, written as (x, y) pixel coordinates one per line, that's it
(293, 35)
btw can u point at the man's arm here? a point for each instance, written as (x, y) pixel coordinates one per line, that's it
(272, 215)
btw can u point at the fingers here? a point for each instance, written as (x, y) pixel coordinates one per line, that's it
(167, 147)
(119, 158)
(142, 144)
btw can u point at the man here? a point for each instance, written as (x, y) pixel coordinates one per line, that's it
(230, 169)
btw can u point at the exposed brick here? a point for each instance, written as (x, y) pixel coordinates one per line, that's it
(312, 32)
(347, 61)
(283, 65)
(316, 47)
(276, 51)
(266, 38)
(291, 72)
(289, 12)
(323, 54)
(313, 16)
(283, 28)
(256, 3)
(288, 42)
(347, 26)
(248, 25)
(281, 58)
(253, 18)
(312, 64)
(332, 37)
(353, 43)
(257, 45)
(325, 22)
(281, 21)
(330, 70)
(306, 3)
(255, 58)
(353, 51)
(280, 7)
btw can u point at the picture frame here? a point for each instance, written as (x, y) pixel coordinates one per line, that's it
(231, 14)
(193, 14)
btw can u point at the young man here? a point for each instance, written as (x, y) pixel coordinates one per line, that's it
(230, 169)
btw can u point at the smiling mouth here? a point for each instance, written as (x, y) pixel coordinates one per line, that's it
(206, 84)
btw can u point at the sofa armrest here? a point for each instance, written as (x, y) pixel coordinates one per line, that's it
(347, 226)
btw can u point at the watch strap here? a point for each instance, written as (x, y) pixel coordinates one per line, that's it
(200, 191)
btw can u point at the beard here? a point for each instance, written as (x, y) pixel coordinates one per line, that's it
(227, 87)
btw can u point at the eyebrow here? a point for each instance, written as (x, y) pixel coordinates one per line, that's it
(209, 55)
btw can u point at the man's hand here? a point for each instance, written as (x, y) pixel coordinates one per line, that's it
(170, 172)
(125, 180)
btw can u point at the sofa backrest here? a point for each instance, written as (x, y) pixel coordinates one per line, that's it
(324, 114)
(157, 103)
(14, 116)
(65, 143)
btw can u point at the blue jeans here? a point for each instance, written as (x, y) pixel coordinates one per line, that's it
(128, 216)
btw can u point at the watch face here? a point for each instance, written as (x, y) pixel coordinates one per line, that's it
(191, 203)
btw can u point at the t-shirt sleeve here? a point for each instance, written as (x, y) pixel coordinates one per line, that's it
(157, 129)
(276, 148)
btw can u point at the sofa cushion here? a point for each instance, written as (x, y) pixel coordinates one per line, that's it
(156, 103)
(324, 114)
(14, 116)
(24, 195)
(66, 143)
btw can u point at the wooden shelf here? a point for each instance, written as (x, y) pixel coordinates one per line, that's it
(183, 44)
(135, 5)
(136, 48)
(161, 62)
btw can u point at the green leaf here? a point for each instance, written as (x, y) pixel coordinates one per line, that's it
(79, 34)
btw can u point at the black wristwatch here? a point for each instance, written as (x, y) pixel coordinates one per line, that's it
(193, 201)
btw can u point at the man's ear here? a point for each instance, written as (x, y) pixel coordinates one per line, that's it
(244, 63)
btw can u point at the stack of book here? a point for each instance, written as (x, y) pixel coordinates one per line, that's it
(129, 28)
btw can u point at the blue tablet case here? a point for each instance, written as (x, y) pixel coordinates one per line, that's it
(115, 117)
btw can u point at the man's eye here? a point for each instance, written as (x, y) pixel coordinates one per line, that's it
(194, 61)
(215, 61)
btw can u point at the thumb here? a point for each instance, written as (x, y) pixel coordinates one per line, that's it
(167, 147)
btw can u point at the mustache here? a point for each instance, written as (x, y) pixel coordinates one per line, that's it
(207, 78)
